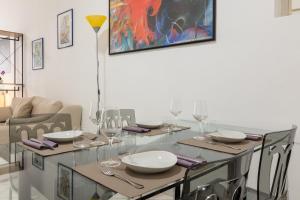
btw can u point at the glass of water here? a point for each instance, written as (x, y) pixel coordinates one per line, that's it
(79, 140)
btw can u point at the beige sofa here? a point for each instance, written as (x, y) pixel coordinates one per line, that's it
(36, 106)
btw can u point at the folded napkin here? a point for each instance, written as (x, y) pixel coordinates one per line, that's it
(37, 144)
(189, 162)
(136, 129)
(34, 145)
(254, 137)
(50, 143)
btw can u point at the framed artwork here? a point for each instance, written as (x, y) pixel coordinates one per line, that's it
(136, 25)
(64, 182)
(38, 54)
(38, 161)
(65, 29)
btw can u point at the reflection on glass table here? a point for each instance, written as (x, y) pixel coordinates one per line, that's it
(45, 181)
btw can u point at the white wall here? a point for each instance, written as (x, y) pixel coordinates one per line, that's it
(249, 76)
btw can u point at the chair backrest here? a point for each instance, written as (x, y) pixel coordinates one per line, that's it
(127, 118)
(273, 165)
(31, 128)
(224, 181)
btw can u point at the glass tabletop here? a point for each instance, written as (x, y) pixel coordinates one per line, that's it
(41, 174)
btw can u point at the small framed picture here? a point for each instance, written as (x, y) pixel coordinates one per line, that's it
(38, 161)
(65, 29)
(38, 54)
(64, 182)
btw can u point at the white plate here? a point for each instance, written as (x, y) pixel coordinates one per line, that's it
(64, 136)
(150, 162)
(228, 136)
(150, 124)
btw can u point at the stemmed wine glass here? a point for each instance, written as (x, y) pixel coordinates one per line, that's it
(111, 128)
(175, 110)
(200, 113)
(95, 115)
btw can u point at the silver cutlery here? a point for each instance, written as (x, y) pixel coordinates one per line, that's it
(108, 172)
(224, 145)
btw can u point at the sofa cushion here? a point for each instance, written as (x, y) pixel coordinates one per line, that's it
(16, 101)
(5, 113)
(45, 106)
(22, 108)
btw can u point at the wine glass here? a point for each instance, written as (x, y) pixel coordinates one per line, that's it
(175, 110)
(80, 141)
(111, 128)
(95, 115)
(200, 113)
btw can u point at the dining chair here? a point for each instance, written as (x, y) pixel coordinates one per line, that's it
(127, 117)
(226, 181)
(21, 129)
(273, 166)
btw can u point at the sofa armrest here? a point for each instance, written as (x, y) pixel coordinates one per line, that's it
(75, 111)
(32, 120)
(5, 113)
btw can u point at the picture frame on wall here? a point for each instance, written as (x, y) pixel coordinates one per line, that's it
(38, 54)
(137, 26)
(64, 182)
(65, 29)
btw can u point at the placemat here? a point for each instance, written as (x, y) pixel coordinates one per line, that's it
(62, 147)
(217, 146)
(150, 181)
(164, 129)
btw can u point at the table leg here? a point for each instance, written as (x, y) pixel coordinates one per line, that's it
(177, 192)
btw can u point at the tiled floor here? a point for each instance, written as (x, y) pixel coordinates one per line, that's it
(2, 161)
(6, 192)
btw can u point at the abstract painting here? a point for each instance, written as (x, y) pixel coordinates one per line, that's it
(146, 24)
(38, 54)
(64, 182)
(65, 29)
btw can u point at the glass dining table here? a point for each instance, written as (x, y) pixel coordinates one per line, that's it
(41, 181)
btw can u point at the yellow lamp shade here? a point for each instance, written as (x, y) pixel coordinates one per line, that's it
(96, 21)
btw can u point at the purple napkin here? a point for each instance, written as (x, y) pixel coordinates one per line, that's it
(50, 143)
(33, 144)
(189, 162)
(136, 129)
(37, 144)
(47, 143)
(254, 137)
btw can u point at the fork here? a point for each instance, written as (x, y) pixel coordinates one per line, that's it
(108, 172)
(224, 145)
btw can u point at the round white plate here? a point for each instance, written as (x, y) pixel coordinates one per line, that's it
(150, 124)
(150, 162)
(64, 136)
(228, 136)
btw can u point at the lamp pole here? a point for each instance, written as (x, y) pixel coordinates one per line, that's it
(96, 21)
(98, 113)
